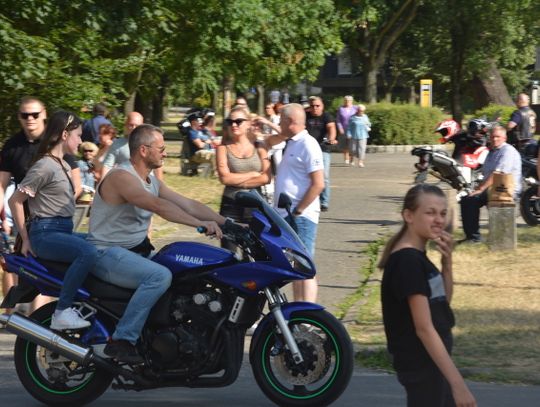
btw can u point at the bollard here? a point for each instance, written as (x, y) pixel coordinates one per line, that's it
(502, 226)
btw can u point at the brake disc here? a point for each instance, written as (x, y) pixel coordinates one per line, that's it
(313, 351)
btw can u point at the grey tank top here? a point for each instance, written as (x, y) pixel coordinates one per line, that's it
(239, 165)
(123, 225)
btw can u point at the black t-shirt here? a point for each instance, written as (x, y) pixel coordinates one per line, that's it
(18, 154)
(408, 272)
(316, 127)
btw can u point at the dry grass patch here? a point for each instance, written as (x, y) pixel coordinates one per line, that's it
(497, 307)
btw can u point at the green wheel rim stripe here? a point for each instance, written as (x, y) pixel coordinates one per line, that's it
(323, 389)
(38, 382)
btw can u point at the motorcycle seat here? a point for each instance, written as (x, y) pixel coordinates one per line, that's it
(95, 286)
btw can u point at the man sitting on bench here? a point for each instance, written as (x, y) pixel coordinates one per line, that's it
(502, 157)
(201, 144)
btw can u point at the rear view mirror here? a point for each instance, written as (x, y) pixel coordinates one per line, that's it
(284, 201)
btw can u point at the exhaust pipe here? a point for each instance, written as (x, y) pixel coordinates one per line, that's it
(29, 330)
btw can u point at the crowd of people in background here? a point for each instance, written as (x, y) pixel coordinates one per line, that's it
(247, 155)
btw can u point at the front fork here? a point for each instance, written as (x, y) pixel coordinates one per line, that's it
(275, 300)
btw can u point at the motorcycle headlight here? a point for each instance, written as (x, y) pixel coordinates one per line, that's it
(298, 262)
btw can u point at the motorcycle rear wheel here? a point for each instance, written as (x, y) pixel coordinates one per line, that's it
(44, 374)
(328, 361)
(529, 207)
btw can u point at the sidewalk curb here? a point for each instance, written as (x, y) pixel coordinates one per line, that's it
(403, 148)
(370, 149)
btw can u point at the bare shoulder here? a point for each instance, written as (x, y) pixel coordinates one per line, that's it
(117, 184)
(262, 151)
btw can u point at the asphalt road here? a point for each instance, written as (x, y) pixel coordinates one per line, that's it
(367, 388)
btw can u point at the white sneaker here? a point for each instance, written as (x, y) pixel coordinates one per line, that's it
(347, 162)
(68, 319)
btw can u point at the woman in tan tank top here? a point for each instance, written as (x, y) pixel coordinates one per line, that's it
(241, 165)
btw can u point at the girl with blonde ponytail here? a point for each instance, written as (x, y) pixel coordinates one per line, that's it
(416, 299)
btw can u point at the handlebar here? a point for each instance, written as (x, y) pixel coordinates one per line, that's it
(202, 229)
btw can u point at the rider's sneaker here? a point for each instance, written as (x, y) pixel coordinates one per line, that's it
(123, 351)
(68, 319)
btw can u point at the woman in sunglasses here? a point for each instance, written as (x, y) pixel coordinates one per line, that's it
(241, 165)
(49, 192)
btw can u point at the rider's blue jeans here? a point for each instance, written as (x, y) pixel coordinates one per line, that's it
(53, 239)
(124, 268)
(325, 194)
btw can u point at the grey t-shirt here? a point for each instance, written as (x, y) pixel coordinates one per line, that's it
(123, 225)
(118, 153)
(49, 189)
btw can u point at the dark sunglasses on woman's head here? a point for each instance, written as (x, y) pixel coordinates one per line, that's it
(26, 116)
(238, 122)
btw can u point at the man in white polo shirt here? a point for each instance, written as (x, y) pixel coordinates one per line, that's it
(301, 176)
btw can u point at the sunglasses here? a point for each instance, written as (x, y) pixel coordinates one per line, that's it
(314, 105)
(160, 149)
(89, 151)
(238, 122)
(26, 116)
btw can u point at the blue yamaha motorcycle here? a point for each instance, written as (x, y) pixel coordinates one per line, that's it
(300, 354)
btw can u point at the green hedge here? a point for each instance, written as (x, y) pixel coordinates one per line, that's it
(403, 124)
(493, 112)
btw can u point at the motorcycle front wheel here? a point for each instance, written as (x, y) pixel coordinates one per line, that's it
(529, 207)
(53, 379)
(323, 375)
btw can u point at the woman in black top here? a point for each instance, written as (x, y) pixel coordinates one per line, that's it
(416, 304)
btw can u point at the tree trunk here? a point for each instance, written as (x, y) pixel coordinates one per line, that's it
(158, 101)
(157, 109)
(413, 96)
(370, 83)
(260, 100)
(215, 101)
(228, 84)
(143, 106)
(458, 40)
(131, 103)
(490, 88)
